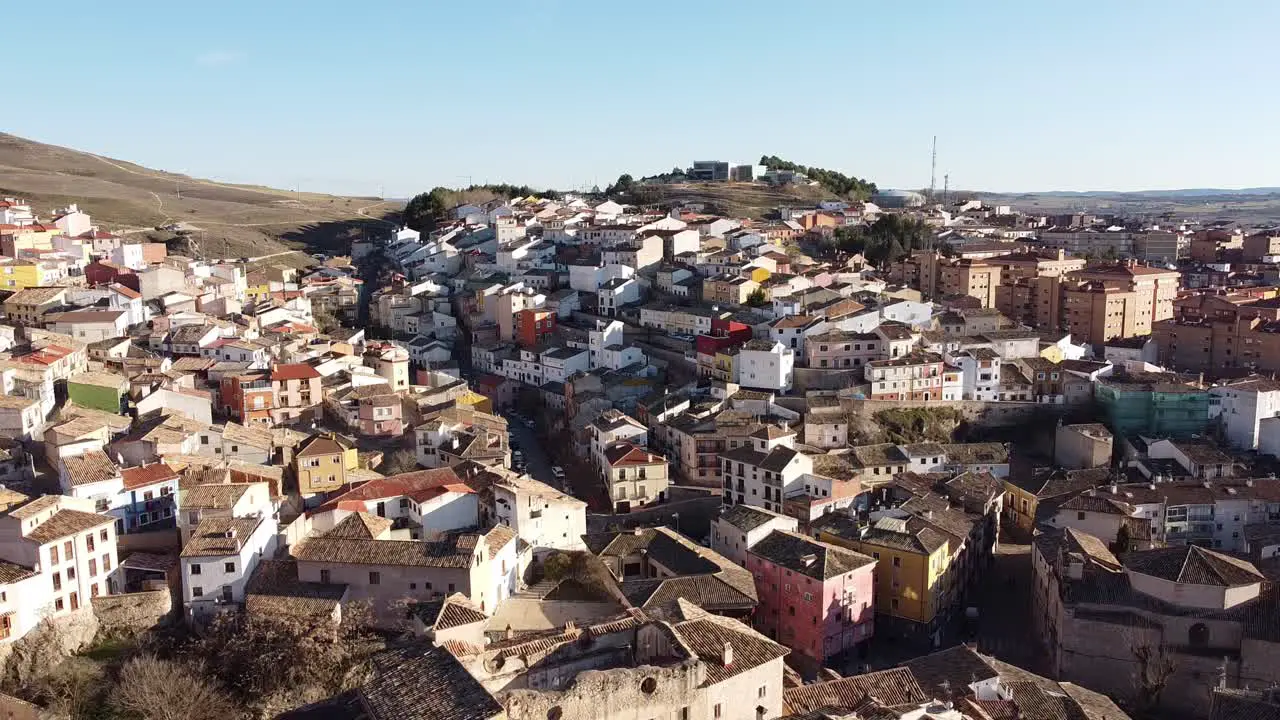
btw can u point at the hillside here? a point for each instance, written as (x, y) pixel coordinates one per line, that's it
(224, 219)
(740, 199)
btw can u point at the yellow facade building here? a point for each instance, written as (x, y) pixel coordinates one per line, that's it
(914, 582)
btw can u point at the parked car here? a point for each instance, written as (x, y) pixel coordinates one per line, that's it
(557, 472)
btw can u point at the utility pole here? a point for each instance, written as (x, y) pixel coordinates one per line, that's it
(946, 188)
(933, 167)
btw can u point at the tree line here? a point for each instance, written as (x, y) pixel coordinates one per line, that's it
(838, 183)
(888, 239)
(425, 211)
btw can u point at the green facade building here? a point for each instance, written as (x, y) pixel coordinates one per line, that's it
(1153, 404)
(98, 390)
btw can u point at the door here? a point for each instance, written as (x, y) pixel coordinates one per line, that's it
(382, 509)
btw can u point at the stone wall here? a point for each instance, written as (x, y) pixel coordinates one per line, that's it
(53, 640)
(133, 612)
(989, 414)
(621, 694)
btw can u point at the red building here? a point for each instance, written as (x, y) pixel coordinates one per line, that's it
(725, 333)
(248, 398)
(534, 324)
(101, 272)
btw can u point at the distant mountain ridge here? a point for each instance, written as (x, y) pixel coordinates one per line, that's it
(1154, 194)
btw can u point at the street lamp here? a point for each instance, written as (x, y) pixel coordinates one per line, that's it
(675, 518)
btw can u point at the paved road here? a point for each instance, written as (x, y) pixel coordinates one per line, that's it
(528, 443)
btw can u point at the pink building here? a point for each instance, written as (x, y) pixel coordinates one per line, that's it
(815, 598)
(841, 349)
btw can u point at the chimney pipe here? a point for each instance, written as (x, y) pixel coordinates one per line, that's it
(726, 654)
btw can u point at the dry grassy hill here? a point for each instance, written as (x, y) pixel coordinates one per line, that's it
(739, 199)
(224, 219)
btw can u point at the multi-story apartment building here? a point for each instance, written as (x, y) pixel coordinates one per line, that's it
(321, 463)
(916, 376)
(70, 550)
(766, 471)
(1117, 301)
(765, 365)
(915, 576)
(634, 476)
(728, 289)
(1242, 406)
(815, 598)
(842, 349)
(297, 392)
(218, 559)
(740, 527)
(534, 325)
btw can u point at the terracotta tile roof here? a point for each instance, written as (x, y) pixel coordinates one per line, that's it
(746, 517)
(91, 467)
(141, 476)
(451, 612)
(453, 551)
(1192, 564)
(214, 496)
(218, 537)
(622, 454)
(425, 682)
(954, 668)
(708, 636)
(360, 526)
(319, 445)
(65, 523)
(896, 686)
(12, 572)
(293, 371)
(36, 506)
(809, 557)
(420, 485)
(274, 589)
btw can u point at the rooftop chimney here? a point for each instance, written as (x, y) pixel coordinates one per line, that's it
(809, 559)
(726, 654)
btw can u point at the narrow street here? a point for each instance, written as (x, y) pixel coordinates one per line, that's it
(526, 440)
(1004, 604)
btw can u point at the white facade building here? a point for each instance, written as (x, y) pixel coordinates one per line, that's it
(1242, 407)
(766, 365)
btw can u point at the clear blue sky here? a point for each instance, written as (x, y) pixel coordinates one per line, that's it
(347, 97)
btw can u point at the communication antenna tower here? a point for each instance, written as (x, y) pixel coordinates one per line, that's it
(933, 167)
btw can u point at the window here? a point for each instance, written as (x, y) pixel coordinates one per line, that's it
(71, 573)
(718, 711)
(195, 568)
(229, 567)
(104, 534)
(67, 550)
(88, 542)
(762, 691)
(1080, 515)
(53, 555)
(197, 591)
(106, 562)
(404, 503)
(324, 576)
(93, 567)
(57, 582)
(808, 597)
(897, 562)
(57, 605)
(375, 577)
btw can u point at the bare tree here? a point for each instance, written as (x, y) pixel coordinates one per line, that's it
(286, 660)
(1155, 667)
(400, 461)
(70, 689)
(153, 689)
